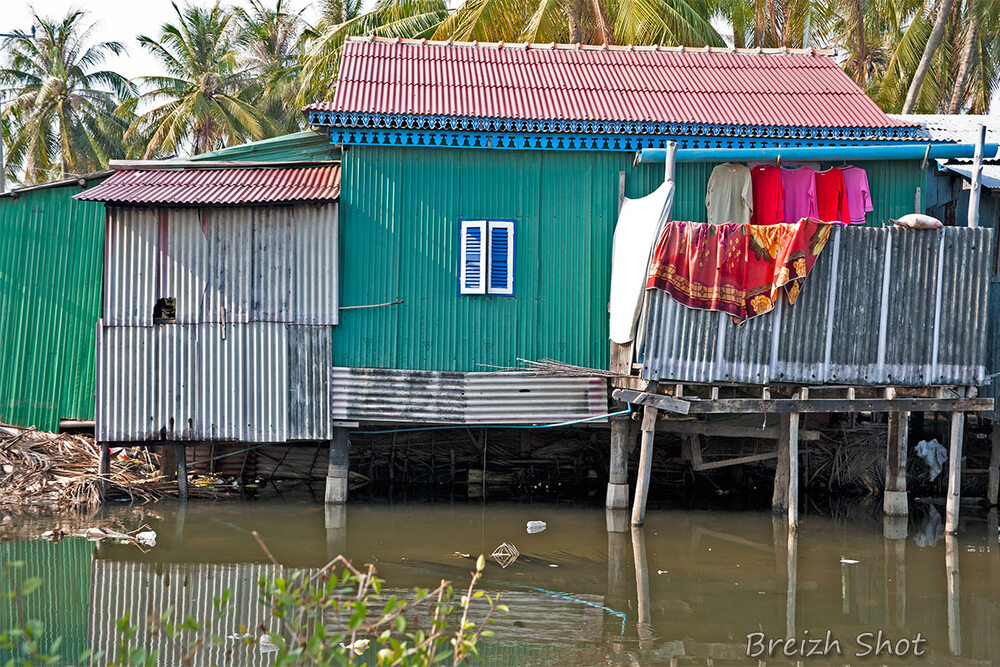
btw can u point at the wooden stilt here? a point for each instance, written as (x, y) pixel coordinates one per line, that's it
(336, 472)
(994, 484)
(104, 467)
(954, 472)
(895, 501)
(180, 453)
(779, 499)
(954, 607)
(617, 496)
(645, 465)
(895, 580)
(792, 431)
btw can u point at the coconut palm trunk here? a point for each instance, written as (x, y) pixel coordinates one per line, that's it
(937, 32)
(958, 94)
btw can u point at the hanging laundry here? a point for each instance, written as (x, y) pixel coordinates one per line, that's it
(738, 269)
(831, 196)
(768, 195)
(730, 196)
(800, 193)
(635, 235)
(859, 197)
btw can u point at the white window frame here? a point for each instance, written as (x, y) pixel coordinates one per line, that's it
(483, 286)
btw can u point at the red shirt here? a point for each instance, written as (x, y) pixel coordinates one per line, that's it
(831, 196)
(768, 195)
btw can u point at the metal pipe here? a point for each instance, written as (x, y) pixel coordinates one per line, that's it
(818, 153)
(977, 173)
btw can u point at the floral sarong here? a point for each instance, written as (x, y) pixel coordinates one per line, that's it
(738, 269)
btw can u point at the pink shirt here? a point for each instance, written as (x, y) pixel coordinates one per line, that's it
(800, 193)
(859, 198)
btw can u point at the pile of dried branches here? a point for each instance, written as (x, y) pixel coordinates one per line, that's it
(39, 468)
(849, 458)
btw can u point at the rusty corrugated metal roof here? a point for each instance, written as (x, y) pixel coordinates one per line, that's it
(628, 84)
(182, 187)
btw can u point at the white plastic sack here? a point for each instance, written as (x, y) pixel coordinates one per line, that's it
(635, 235)
(918, 221)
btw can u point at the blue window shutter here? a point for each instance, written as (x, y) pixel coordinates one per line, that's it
(472, 257)
(501, 264)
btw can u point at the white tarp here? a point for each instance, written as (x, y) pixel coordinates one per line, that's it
(638, 225)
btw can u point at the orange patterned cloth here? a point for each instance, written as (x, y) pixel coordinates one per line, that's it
(738, 269)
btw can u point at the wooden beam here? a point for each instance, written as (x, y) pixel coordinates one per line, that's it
(658, 401)
(104, 468)
(617, 494)
(753, 458)
(954, 472)
(789, 405)
(726, 430)
(792, 431)
(645, 466)
(180, 453)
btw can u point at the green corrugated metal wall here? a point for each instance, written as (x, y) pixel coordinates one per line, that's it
(400, 209)
(62, 602)
(51, 263)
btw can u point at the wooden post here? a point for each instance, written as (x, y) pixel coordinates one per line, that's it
(336, 472)
(954, 472)
(994, 485)
(792, 431)
(645, 465)
(180, 453)
(895, 501)
(617, 496)
(779, 499)
(104, 467)
(954, 603)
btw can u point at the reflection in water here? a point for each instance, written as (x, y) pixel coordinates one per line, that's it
(590, 589)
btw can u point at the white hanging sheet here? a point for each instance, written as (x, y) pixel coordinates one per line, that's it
(639, 223)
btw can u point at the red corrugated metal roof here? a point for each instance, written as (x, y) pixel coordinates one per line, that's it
(256, 185)
(557, 82)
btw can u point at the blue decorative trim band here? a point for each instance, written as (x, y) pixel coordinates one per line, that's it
(341, 122)
(592, 142)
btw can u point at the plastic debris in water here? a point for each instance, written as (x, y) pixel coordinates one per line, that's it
(147, 538)
(505, 554)
(536, 527)
(359, 647)
(849, 561)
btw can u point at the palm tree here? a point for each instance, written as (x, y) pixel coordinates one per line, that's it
(60, 116)
(389, 18)
(201, 104)
(933, 41)
(270, 45)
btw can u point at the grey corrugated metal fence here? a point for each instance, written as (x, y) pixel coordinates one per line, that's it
(880, 307)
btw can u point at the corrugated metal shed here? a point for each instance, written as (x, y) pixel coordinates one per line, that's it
(387, 395)
(232, 264)
(630, 84)
(929, 329)
(60, 603)
(50, 301)
(960, 128)
(254, 382)
(218, 186)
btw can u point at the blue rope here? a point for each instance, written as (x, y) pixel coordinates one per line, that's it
(567, 596)
(626, 411)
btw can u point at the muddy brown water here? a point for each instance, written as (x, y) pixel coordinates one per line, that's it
(687, 588)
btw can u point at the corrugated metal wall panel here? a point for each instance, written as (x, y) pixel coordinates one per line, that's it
(186, 264)
(231, 264)
(131, 266)
(310, 363)
(142, 590)
(126, 404)
(388, 395)
(51, 261)
(819, 342)
(256, 382)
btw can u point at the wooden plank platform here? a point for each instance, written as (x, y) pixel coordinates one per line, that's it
(809, 405)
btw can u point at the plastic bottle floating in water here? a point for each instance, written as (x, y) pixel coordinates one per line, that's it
(536, 527)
